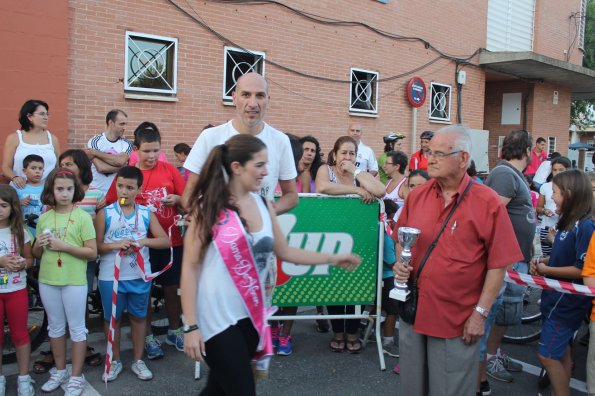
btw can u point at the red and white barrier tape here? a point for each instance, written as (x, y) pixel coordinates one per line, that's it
(548, 284)
(140, 266)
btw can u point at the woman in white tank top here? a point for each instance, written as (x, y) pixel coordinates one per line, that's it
(32, 138)
(395, 167)
(222, 303)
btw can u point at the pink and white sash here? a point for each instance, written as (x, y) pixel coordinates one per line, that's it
(231, 242)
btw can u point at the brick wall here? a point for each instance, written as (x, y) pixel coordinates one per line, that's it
(298, 105)
(34, 42)
(556, 31)
(543, 118)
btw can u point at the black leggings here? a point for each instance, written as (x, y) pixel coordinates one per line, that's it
(348, 326)
(229, 356)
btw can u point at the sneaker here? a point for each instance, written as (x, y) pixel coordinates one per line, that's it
(153, 348)
(57, 378)
(76, 386)
(2, 385)
(495, 369)
(285, 345)
(510, 364)
(114, 370)
(141, 370)
(25, 386)
(275, 336)
(391, 349)
(175, 338)
(484, 389)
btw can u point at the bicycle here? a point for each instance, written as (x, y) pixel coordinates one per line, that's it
(529, 329)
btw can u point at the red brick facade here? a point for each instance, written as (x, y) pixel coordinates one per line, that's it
(299, 105)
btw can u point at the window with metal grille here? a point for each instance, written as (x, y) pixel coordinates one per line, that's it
(582, 23)
(440, 102)
(237, 63)
(363, 96)
(551, 144)
(151, 63)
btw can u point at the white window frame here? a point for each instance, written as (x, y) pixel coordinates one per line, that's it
(432, 108)
(582, 23)
(373, 94)
(226, 94)
(551, 139)
(173, 42)
(500, 144)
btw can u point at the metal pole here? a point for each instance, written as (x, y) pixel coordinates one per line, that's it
(413, 129)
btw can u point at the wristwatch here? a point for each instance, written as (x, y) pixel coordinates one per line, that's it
(482, 311)
(188, 329)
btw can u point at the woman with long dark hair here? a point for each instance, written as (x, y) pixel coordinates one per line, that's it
(229, 251)
(564, 313)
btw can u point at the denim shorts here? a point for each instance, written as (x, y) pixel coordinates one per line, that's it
(511, 310)
(555, 339)
(133, 297)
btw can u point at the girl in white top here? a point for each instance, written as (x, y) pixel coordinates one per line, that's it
(546, 207)
(395, 167)
(15, 258)
(217, 327)
(32, 138)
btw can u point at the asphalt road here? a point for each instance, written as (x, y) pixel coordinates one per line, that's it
(312, 369)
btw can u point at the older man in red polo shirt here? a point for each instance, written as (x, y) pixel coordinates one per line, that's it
(462, 275)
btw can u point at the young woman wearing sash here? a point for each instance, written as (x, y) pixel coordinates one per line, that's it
(228, 251)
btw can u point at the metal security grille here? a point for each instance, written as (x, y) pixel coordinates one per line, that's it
(237, 63)
(364, 91)
(440, 102)
(151, 63)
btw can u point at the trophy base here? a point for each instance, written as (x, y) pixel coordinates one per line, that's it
(399, 294)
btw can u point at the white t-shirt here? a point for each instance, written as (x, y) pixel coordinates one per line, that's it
(547, 190)
(366, 160)
(101, 143)
(281, 165)
(543, 172)
(15, 280)
(218, 302)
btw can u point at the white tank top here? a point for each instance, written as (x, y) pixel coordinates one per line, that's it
(45, 151)
(119, 227)
(394, 194)
(218, 303)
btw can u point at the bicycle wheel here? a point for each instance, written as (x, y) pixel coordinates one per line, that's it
(530, 328)
(159, 321)
(37, 324)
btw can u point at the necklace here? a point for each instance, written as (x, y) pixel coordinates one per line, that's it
(65, 232)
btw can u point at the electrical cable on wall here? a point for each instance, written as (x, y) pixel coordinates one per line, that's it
(228, 41)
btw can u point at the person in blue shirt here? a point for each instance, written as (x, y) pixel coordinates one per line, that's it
(30, 195)
(563, 313)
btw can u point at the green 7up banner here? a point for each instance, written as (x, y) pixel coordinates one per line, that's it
(329, 225)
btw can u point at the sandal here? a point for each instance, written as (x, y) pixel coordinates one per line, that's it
(337, 344)
(354, 346)
(42, 366)
(93, 359)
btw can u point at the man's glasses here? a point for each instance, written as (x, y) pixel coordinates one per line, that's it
(439, 154)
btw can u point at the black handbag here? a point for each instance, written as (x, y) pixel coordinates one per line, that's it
(408, 308)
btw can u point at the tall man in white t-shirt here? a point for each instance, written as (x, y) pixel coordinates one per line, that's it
(109, 151)
(366, 159)
(251, 99)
